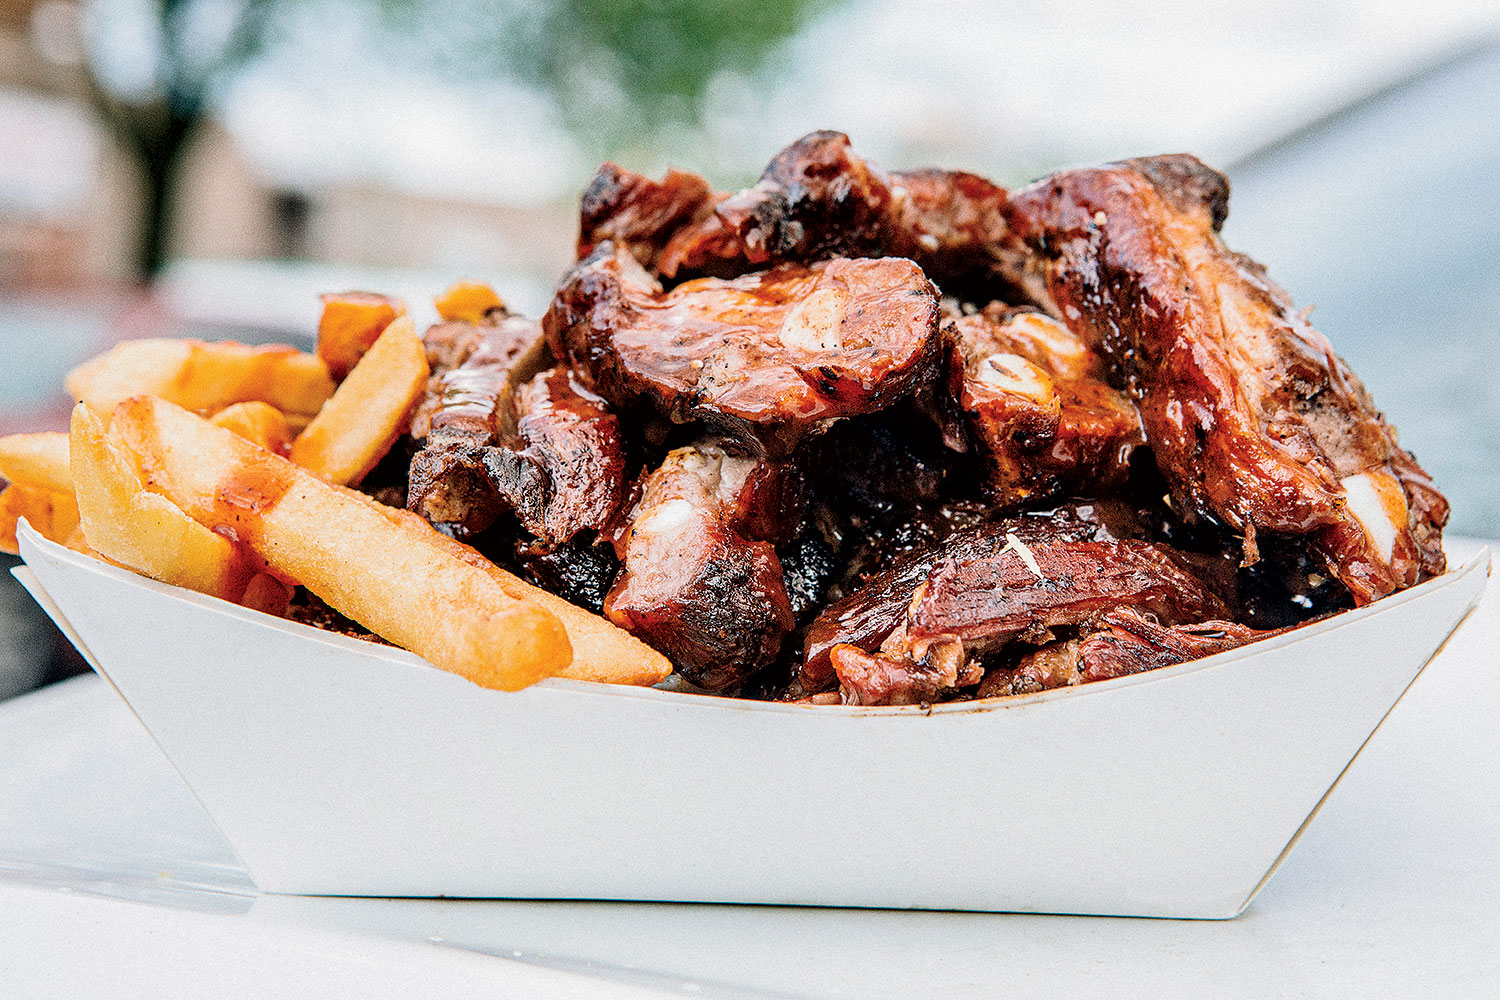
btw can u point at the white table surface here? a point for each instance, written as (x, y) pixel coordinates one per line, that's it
(114, 883)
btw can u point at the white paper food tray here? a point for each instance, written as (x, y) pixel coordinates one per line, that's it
(339, 767)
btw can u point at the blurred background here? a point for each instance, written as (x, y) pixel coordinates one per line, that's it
(207, 167)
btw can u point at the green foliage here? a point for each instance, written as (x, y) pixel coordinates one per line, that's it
(666, 51)
(620, 71)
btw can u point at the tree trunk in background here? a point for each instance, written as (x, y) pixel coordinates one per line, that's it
(159, 158)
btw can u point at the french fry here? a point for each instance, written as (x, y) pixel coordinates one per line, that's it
(204, 377)
(258, 423)
(359, 424)
(392, 576)
(467, 302)
(267, 594)
(350, 325)
(39, 461)
(602, 651)
(53, 515)
(143, 531)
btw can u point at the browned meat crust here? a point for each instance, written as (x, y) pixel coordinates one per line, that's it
(700, 581)
(987, 595)
(504, 436)
(878, 609)
(562, 464)
(1036, 404)
(767, 358)
(1127, 642)
(1254, 420)
(637, 212)
(1122, 642)
(819, 199)
(479, 366)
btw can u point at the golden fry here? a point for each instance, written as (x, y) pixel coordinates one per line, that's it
(356, 428)
(467, 302)
(53, 515)
(37, 460)
(602, 651)
(204, 377)
(256, 422)
(394, 577)
(267, 594)
(350, 325)
(144, 531)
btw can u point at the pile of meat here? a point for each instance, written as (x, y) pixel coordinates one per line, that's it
(894, 438)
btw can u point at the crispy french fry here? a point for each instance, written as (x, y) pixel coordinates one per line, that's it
(467, 302)
(359, 424)
(53, 515)
(350, 325)
(37, 460)
(78, 543)
(258, 423)
(204, 377)
(393, 577)
(266, 593)
(602, 651)
(143, 531)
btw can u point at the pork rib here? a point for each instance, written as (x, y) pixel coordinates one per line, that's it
(478, 367)
(638, 213)
(1036, 404)
(818, 199)
(1254, 420)
(699, 582)
(767, 358)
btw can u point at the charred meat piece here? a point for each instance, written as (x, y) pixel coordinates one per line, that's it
(819, 199)
(1127, 642)
(480, 365)
(450, 344)
(999, 589)
(1036, 404)
(638, 213)
(767, 358)
(1254, 420)
(577, 571)
(953, 224)
(561, 464)
(877, 679)
(810, 565)
(981, 595)
(869, 615)
(699, 583)
(1121, 642)
(504, 436)
(889, 463)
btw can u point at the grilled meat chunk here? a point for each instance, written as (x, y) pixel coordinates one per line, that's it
(1122, 642)
(580, 571)
(701, 582)
(1254, 420)
(818, 199)
(1035, 403)
(504, 436)
(477, 368)
(561, 464)
(1127, 642)
(877, 609)
(638, 213)
(767, 358)
(449, 345)
(996, 590)
(878, 679)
